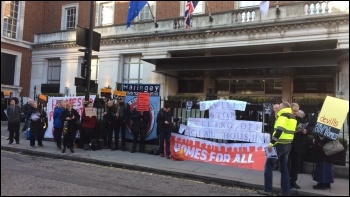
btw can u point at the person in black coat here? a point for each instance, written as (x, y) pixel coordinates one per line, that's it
(70, 117)
(36, 117)
(299, 146)
(140, 121)
(165, 120)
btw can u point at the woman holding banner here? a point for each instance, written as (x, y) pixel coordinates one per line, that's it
(88, 124)
(323, 173)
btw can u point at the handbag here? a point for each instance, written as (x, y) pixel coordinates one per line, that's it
(333, 147)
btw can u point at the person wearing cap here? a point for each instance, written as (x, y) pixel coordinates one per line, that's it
(166, 120)
(14, 120)
(121, 116)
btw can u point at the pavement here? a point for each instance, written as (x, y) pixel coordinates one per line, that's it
(206, 172)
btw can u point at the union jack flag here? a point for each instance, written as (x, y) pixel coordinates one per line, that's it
(190, 6)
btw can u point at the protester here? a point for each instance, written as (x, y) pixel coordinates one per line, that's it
(108, 120)
(281, 139)
(298, 146)
(121, 116)
(271, 124)
(70, 116)
(58, 124)
(35, 117)
(139, 127)
(14, 121)
(165, 120)
(323, 173)
(26, 110)
(88, 124)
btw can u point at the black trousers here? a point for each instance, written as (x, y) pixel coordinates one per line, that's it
(164, 135)
(36, 135)
(295, 162)
(120, 126)
(14, 131)
(68, 139)
(136, 133)
(86, 135)
(58, 136)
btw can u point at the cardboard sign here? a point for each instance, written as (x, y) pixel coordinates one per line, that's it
(106, 90)
(90, 112)
(143, 101)
(7, 94)
(331, 118)
(119, 93)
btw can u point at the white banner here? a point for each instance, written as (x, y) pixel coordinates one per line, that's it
(225, 134)
(237, 125)
(223, 104)
(223, 114)
(77, 102)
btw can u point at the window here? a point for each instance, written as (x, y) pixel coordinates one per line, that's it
(145, 13)
(190, 86)
(69, 16)
(11, 19)
(200, 8)
(133, 69)
(246, 4)
(54, 71)
(8, 65)
(323, 84)
(105, 13)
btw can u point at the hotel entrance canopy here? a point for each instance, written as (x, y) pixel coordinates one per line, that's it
(293, 59)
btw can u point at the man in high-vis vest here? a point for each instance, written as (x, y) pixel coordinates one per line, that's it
(281, 139)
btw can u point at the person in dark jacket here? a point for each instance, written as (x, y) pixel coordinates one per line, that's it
(122, 114)
(140, 121)
(88, 124)
(70, 117)
(166, 120)
(323, 173)
(57, 122)
(298, 147)
(36, 124)
(108, 121)
(26, 110)
(14, 121)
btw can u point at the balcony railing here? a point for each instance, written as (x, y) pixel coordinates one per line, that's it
(241, 18)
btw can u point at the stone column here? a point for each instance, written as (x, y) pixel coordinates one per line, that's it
(343, 87)
(109, 71)
(168, 85)
(38, 75)
(69, 70)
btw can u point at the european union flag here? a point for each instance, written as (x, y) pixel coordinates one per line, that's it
(134, 9)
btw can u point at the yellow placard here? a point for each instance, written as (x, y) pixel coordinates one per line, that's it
(7, 94)
(119, 93)
(106, 90)
(42, 97)
(333, 112)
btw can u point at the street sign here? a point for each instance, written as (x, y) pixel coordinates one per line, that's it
(82, 36)
(82, 82)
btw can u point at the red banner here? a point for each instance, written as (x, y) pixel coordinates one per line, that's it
(143, 101)
(241, 155)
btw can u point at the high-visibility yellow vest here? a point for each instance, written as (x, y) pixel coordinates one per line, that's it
(287, 123)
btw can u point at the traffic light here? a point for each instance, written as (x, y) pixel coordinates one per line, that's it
(84, 66)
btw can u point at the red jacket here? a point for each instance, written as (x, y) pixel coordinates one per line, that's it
(87, 121)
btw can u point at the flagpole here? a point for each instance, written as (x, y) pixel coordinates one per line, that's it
(210, 18)
(154, 19)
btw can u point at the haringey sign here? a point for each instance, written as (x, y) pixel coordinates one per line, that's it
(132, 89)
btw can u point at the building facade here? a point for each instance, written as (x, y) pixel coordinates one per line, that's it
(299, 49)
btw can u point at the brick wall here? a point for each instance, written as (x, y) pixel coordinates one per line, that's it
(26, 66)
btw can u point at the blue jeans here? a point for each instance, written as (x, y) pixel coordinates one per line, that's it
(282, 152)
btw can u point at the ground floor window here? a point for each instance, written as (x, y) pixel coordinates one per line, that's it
(132, 69)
